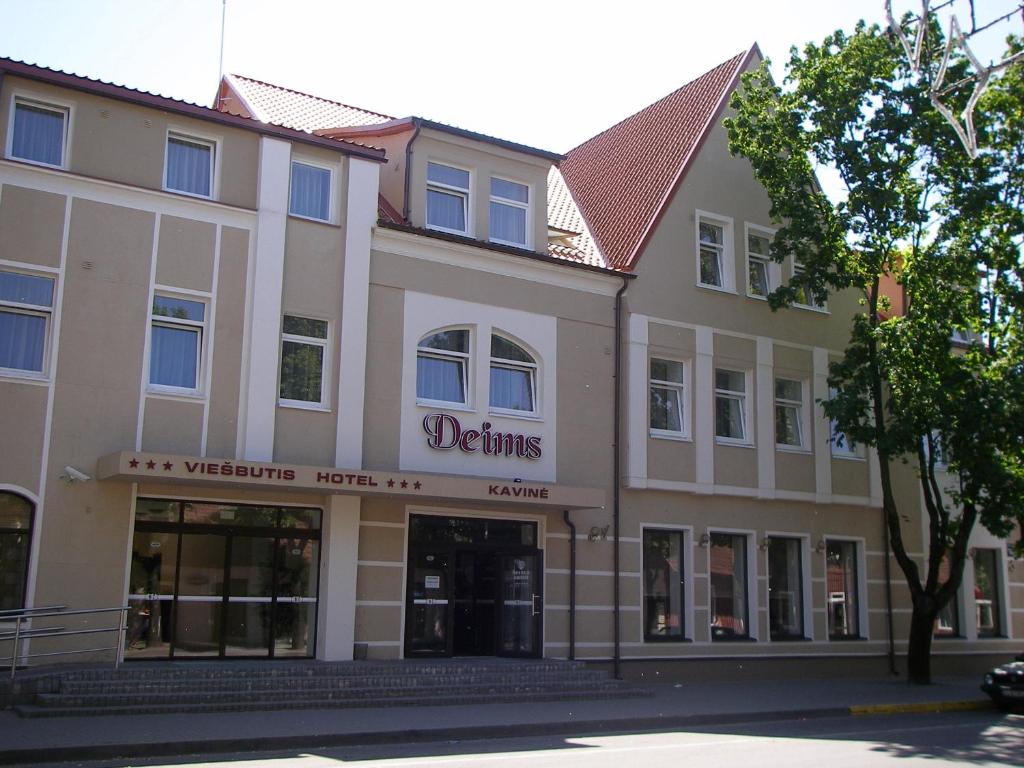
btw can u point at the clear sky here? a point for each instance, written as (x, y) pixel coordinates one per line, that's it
(546, 73)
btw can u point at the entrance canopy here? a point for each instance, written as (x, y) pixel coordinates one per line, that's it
(139, 466)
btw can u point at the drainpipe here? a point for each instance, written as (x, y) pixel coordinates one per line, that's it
(408, 170)
(572, 584)
(617, 477)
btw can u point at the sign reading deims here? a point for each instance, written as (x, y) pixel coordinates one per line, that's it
(445, 432)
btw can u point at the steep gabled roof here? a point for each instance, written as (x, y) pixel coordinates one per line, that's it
(623, 178)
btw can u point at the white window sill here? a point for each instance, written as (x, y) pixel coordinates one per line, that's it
(756, 296)
(521, 415)
(732, 442)
(665, 434)
(445, 405)
(62, 167)
(174, 393)
(847, 456)
(312, 219)
(799, 449)
(302, 405)
(509, 243)
(186, 193)
(462, 232)
(717, 288)
(808, 308)
(27, 377)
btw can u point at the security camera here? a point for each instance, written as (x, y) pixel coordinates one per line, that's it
(72, 475)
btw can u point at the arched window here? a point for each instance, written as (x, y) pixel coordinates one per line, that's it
(441, 363)
(513, 377)
(15, 540)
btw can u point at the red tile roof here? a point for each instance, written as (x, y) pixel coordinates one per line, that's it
(387, 212)
(624, 177)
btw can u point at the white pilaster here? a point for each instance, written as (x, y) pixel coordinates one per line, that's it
(704, 408)
(360, 218)
(272, 216)
(822, 428)
(637, 421)
(764, 383)
(338, 569)
(875, 480)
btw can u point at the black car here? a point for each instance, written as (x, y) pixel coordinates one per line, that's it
(1005, 684)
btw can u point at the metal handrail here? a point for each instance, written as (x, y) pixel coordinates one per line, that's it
(12, 613)
(43, 612)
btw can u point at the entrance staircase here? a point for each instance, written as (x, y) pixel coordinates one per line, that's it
(167, 687)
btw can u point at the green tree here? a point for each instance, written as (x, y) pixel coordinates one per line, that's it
(949, 230)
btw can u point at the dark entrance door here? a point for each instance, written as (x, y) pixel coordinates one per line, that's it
(475, 588)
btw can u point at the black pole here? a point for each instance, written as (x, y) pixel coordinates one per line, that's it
(572, 584)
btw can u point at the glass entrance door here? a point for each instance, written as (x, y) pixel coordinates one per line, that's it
(521, 604)
(428, 613)
(199, 609)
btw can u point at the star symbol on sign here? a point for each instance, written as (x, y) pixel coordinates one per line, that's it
(168, 466)
(417, 485)
(133, 463)
(391, 483)
(405, 484)
(150, 464)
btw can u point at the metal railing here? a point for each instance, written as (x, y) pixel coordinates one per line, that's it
(23, 616)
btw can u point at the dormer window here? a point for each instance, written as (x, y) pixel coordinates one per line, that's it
(447, 198)
(509, 213)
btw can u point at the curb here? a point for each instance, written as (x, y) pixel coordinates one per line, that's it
(925, 706)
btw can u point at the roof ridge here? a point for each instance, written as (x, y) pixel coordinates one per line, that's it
(313, 96)
(667, 96)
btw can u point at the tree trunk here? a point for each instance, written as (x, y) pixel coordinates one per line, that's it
(919, 647)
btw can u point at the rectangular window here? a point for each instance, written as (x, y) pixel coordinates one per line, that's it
(303, 353)
(841, 584)
(947, 623)
(842, 445)
(728, 569)
(447, 198)
(663, 585)
(711, 245)
(789, 404)
(310, 193)
(189, 165)
(510, 204)
(26, 304)
(785, 589)
(987, 593)
(805, 296)
(176, 345)
(758, 281)
(39, 132)
(668, 397)
(731, 405)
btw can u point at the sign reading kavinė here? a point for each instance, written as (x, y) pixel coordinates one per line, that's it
(140, 466)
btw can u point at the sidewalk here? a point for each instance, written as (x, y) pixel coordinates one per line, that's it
(671, 706)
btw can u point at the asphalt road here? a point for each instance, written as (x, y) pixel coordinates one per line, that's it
(977, 738)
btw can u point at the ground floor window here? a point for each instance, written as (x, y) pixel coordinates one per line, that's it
(728, 569)
(986, 592)
(15, 540)
(841, 582)
(663, 585)
(221, 580)
(785, 589)
(947, 623)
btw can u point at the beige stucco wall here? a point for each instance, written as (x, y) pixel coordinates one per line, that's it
(31, 225)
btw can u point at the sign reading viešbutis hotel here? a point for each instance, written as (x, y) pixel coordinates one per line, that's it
(139, 466)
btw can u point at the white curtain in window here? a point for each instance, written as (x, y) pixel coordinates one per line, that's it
(311, 191)
(446, 210)
(440, 379)
(188, 166)
(511, 388)
(22, 341)
(174, 358)
(508, 223)
(38, 134)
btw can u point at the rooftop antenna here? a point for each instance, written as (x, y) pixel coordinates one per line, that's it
(220, 73)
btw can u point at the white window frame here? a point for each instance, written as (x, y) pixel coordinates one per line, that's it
(312, 405)
(498, 200)
(801, 413)
(859, 545)
(689, 552)
(772, 270)
(806, 579)
(213, 142)
(530, 368)
(465, 193)
(464, 358)
(175, 322)
(332, 170)
(35, 310)
(753, 621)
(683, 388)
(745, 406)
(848, 451)
(46, 103)
(727, 264)
(797, 271)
